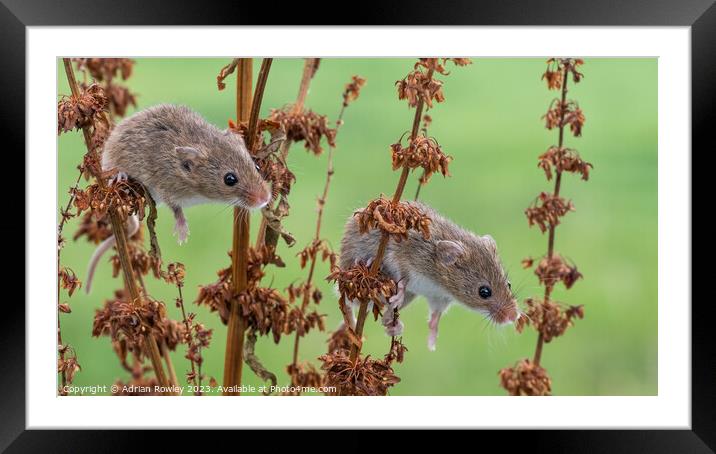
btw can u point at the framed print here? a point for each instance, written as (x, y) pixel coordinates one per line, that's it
(480, 221)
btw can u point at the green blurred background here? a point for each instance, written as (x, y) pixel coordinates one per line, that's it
(490, 123)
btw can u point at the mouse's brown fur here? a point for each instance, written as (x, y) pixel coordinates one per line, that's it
(451, 266)
(182, 159)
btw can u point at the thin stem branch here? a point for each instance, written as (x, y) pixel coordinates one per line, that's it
(552, 227)
(317, 236)
(233, 360)
(375, 266)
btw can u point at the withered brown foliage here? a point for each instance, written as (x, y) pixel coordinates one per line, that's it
(126, 197)
(305, 126)
(563, 160)
(67, 365)
(562, 114)
(549, 271)
(547, 211)
(556, 67)
(352, 90)
(395, 219)
(106, 71)
(303, 375)
(423, 152)
(364, 377)
(340, 339)
(96, 230)
(68, 280)
(266, 310)
(358, 283)
(129, 323)
(526, 379)
(548, 318)
(73, 113)
(420, 85)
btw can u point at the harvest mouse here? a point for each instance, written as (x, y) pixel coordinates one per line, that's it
(182, 160)
(453, 265)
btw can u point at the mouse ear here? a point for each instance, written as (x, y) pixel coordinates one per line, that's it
(449, 251)
(489, 242)
(228, 132)
(188, 157)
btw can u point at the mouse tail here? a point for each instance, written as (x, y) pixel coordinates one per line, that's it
(132, 227)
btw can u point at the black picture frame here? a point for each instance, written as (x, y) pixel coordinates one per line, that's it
(700, 15)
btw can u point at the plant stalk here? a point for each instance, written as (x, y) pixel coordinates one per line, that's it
(247, 109)
(557, 184)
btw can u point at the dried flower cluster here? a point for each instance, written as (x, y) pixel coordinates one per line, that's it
(422, 152)
(126, 197)
(526, 379)
(68, 280)
(105, 71)
(547, 317)
(395, 219)
(565, 113)
(266, 310)
(363, 377)
(549, 271)
(359, 283)
(420, 86)
(563, 160)
(352, 91)
(305, 126)
(547, 211)
(74, 113)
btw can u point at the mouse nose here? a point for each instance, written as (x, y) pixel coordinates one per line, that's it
(505, 314)
(260, 197)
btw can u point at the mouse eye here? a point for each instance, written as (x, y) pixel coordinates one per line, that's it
(230, 179)
(509, 285)
(257, 167)
(485, 292)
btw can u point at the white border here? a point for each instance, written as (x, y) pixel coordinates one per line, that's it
(670, 409)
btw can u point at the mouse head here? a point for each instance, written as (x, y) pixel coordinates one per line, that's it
(473, 273)
(222, 170)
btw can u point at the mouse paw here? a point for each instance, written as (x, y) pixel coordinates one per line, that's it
(396, 301)
(181, 230)
(118, 178)
(394, 328)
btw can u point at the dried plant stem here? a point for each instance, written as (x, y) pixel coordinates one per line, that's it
(170, 366)
(265, 234)
(552, 227)
(375, 266)
(317, 235)
(187, 325)
(121, 245)
(246, 109)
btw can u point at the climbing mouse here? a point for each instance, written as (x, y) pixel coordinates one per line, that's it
(182, 160)
(453, 265)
